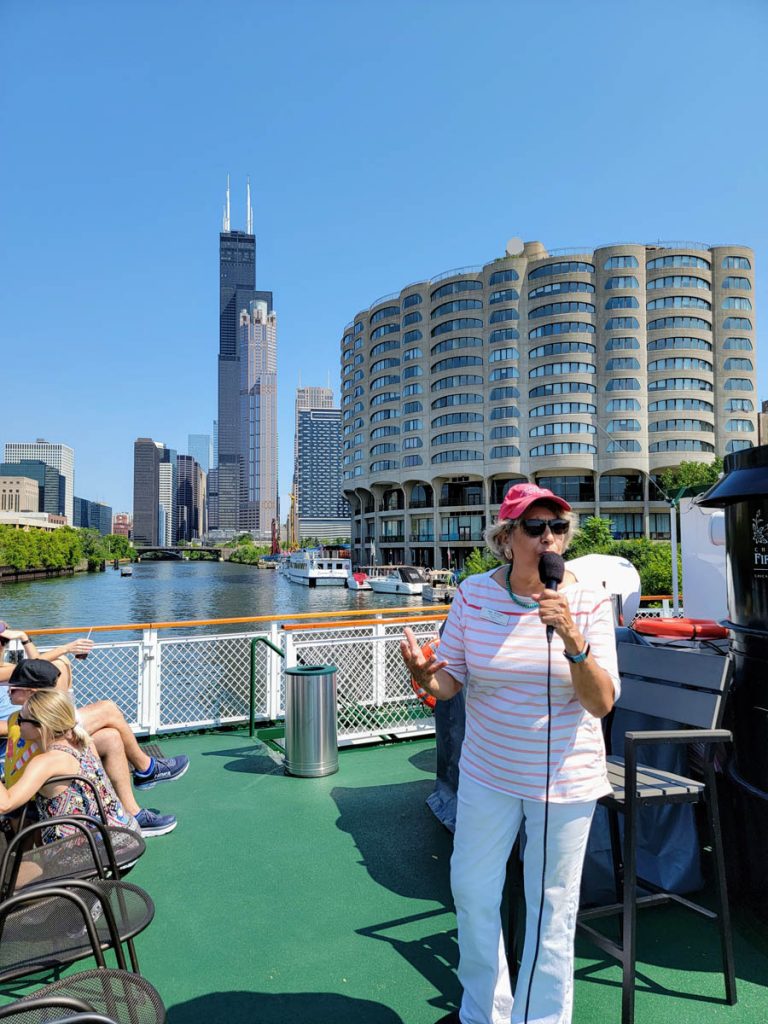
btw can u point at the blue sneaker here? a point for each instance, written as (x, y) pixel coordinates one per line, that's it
(164, 769)
(153, 823)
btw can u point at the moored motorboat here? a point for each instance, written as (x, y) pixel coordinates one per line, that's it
(361, 578)
(403, 579)
(439, 587)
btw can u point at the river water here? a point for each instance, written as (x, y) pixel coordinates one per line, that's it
(173, 591)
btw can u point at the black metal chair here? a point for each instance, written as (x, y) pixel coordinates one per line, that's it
(687, 687)
(48, 928)
(104, 850)
(100, 996)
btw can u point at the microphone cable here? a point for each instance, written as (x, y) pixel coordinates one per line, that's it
(546, 825)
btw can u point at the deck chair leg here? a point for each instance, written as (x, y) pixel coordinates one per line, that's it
(630, 911)
(133, 957)
(724, 913)
(618, 866)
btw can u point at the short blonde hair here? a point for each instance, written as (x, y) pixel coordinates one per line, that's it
(55, 712)
(496, 535)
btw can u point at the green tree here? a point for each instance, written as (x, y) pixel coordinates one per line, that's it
(593, 537)
(479, 561)
(118, 546)
(691, 474)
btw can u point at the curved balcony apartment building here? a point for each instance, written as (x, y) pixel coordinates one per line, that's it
(588, 373)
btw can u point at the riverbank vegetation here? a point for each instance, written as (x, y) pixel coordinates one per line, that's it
(64, 548)
(246, 551)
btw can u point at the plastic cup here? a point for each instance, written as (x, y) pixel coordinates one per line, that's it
(82, 657)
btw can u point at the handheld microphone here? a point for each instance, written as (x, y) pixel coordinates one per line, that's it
(551, 572)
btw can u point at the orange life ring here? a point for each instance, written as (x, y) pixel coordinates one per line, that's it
(681, 629)
(426, 700)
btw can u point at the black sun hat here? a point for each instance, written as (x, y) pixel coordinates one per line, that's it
(35, 674)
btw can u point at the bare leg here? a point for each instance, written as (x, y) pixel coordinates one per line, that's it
(109, 746)
(28, 872)
(105, 714)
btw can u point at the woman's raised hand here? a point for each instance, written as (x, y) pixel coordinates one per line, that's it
(81, 646)
(421, 664)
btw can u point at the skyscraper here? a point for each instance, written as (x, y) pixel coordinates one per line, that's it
(321, 509)
(237, 289)
(258, 419)
(190, 498)
(154, 492)
(168, 486)
(306, 398)
(200, 448)
(59, 456)
(146, 490)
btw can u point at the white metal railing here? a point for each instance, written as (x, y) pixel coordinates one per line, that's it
(181, 683)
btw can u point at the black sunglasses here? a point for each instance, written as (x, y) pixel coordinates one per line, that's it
(21, 719)
(536, 527)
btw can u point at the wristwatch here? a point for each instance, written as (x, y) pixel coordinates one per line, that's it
(576, 659)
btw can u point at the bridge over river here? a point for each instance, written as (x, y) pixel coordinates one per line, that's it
(178, 553)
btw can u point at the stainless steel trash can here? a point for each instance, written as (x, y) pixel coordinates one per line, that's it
(311, 747)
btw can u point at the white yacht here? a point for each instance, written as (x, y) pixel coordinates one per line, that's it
(402, 579)
(314, 568)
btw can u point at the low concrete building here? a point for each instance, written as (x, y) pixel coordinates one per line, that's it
(18, 494)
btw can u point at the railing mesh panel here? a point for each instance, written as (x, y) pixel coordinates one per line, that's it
(373, 689)
(110, 672)
(206, 680)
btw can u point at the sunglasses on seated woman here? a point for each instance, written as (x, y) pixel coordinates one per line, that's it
(536, 527)
(21, 719)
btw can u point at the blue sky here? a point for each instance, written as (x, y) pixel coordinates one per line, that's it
(386, 142)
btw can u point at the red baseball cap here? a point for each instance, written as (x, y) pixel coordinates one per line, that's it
(519, 497)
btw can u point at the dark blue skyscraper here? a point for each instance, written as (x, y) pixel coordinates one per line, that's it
(323, 511)
(237, 289)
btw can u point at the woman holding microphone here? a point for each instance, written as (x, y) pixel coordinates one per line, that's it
(538, 662)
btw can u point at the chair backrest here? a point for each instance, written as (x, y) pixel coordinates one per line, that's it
(43, 1009)
(687, 686)
(86, 1018)
(85, 783)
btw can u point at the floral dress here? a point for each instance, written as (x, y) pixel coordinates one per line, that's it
(78, 799)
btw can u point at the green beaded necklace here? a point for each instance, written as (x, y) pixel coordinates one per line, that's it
(518, 600)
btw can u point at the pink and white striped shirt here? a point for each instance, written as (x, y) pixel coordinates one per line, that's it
(498, 650)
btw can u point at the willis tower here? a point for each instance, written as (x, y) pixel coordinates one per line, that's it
(237, 290)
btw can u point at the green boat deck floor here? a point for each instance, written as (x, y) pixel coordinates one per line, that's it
(327, 901)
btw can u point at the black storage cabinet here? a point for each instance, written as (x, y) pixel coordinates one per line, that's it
(743, 493)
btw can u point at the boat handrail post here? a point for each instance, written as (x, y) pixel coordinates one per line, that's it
(275, 673)
(673, 545)
(379, 633)
(271, 676)
(149, 681)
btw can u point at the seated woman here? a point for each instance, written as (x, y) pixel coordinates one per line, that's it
(48, 718)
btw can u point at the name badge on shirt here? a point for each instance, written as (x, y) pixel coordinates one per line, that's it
(500, 618)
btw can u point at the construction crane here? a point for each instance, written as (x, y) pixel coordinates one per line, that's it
(293, 541)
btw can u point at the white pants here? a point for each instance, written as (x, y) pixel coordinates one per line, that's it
(487, 824)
